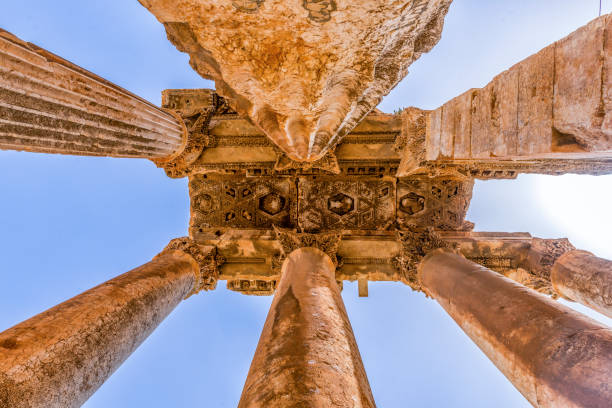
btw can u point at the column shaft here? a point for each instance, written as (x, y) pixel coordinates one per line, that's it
(50, 105)
(553, 355)
(60, 357)
(582, 277)
(307, 354)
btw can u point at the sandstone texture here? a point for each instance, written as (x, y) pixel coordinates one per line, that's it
(305, 72)
(307, 355)
(554, 356)
(582, 277)
(60, 357)
(50, 105)
(556, 103)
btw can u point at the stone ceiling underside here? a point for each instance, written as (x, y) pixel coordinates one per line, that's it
(304, 71)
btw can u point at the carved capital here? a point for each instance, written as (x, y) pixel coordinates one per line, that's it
(195, 110)
(328, 163)
(195, 139)
(207, 259)
(544, 253)
(416, 242)
(291, 240)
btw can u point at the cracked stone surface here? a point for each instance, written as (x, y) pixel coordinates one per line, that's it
(304, 71)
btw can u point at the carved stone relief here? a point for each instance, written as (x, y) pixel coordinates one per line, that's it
(332, 204)
(441, 203)
(242, 203)
(252, 287)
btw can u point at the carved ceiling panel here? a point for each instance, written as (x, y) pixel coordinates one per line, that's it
(441, 203)
(350, 204)
(238, 202)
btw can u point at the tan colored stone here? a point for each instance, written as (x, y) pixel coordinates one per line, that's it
(553, 355)
(547, 114)
(580, 107)
(304, 72)
(582, 277)
(307, 354)
(50, 105)
(60, 357)
(535, 102)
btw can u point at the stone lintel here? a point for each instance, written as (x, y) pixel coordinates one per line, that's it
(550, 114)
(251, 258)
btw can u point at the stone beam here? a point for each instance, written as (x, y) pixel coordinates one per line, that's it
(582, 277)
(553, 355)
(50, 105)
(304, 72)
(307, 354)
(60, 357)
(551, 113)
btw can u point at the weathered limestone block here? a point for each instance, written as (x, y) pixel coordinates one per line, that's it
(553, 355)
(305, 72)
(552, 107)
(307, 354)
(50, 105)
(583, 89)
(582, 277)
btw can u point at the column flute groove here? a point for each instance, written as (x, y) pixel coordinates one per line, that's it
(50, 105)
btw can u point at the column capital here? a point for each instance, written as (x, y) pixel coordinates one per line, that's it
(416, 242)
(195, 140)
(537, 266)
(194, 109)
(291, 240)
(207, 259)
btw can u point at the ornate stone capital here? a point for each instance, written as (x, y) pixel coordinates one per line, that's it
(195, 139)
(206, 257)
(544, 253)
(416, 243)
(292, 240)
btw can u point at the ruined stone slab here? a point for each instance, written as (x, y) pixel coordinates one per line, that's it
(535, 102)
(547, 114)
(304, 72)
(580, 81)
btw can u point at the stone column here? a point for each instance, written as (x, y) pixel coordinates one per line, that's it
(60, 357)
(307, 354)
(582, 277)
(553, 355)
(50, 105)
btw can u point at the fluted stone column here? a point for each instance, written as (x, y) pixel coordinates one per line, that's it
(50, 105)
(60, 357)
(553, 355)
(582, 277)
(307, 354)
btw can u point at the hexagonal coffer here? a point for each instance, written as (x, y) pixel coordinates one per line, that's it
(272, 203)
(340, 204)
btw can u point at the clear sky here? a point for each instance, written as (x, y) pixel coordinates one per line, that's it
(70, 223)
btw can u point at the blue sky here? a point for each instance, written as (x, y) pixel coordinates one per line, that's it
(70, 223)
